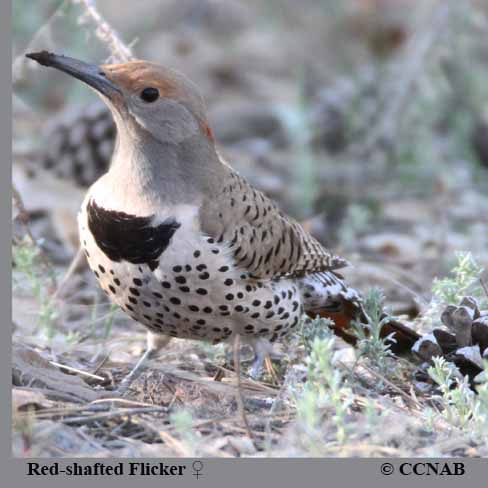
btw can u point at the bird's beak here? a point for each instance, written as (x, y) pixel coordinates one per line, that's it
(91, 74)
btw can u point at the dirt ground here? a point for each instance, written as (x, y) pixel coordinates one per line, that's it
(367, 120)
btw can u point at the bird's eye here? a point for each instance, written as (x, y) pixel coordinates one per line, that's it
(150, 94)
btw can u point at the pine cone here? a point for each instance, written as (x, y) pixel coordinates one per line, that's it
(80, 144)
(464, 343)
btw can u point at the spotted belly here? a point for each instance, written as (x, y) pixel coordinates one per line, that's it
(193, 290)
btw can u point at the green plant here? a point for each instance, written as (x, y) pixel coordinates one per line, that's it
(464, 280)
(311, 329)
(29, 271)
(109, 320)
(324, 391)
(461, 406)
(370, 344)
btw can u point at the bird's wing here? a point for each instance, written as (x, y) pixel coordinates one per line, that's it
(265, 242)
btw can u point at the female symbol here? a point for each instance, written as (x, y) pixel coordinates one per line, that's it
(197, 466)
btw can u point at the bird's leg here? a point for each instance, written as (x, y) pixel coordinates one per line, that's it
(128, 379)
(239, 399)
(257, 365)
(155, 342)
(244, 357)
(264, 352)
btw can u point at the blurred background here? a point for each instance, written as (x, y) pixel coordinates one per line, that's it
(367, 120)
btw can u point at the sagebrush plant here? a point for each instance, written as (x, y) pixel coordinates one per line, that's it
(28, 270)
(370, 344)
(325, 392)
(460, 406)
(311, 329)
(464, 280)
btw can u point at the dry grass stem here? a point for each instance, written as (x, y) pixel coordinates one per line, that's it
(106, 33)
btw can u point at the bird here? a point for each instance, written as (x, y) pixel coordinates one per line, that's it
(182, 242)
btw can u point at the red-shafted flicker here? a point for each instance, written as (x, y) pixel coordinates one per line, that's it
(183, 243)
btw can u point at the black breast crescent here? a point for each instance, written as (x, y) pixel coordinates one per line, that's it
(125, 237)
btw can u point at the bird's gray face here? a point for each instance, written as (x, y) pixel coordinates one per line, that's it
(166, 119)
(143, 97)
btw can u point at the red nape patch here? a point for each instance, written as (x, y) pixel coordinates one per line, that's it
(209, 132)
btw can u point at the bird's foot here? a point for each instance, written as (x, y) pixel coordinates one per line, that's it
(155, 342)
(136, 370)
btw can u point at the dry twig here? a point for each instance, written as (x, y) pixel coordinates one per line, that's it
(382, 378)
(106, 33)
(120, 52)
(77, 371)
(116, 413)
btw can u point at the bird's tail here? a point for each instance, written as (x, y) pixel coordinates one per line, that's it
(326, 295)
(403, 337)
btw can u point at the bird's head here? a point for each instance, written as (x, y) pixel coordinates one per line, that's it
(143, 97)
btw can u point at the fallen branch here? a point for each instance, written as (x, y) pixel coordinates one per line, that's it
(30, 368)
(110, 415)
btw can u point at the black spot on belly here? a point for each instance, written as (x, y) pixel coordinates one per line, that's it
(122, 236)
